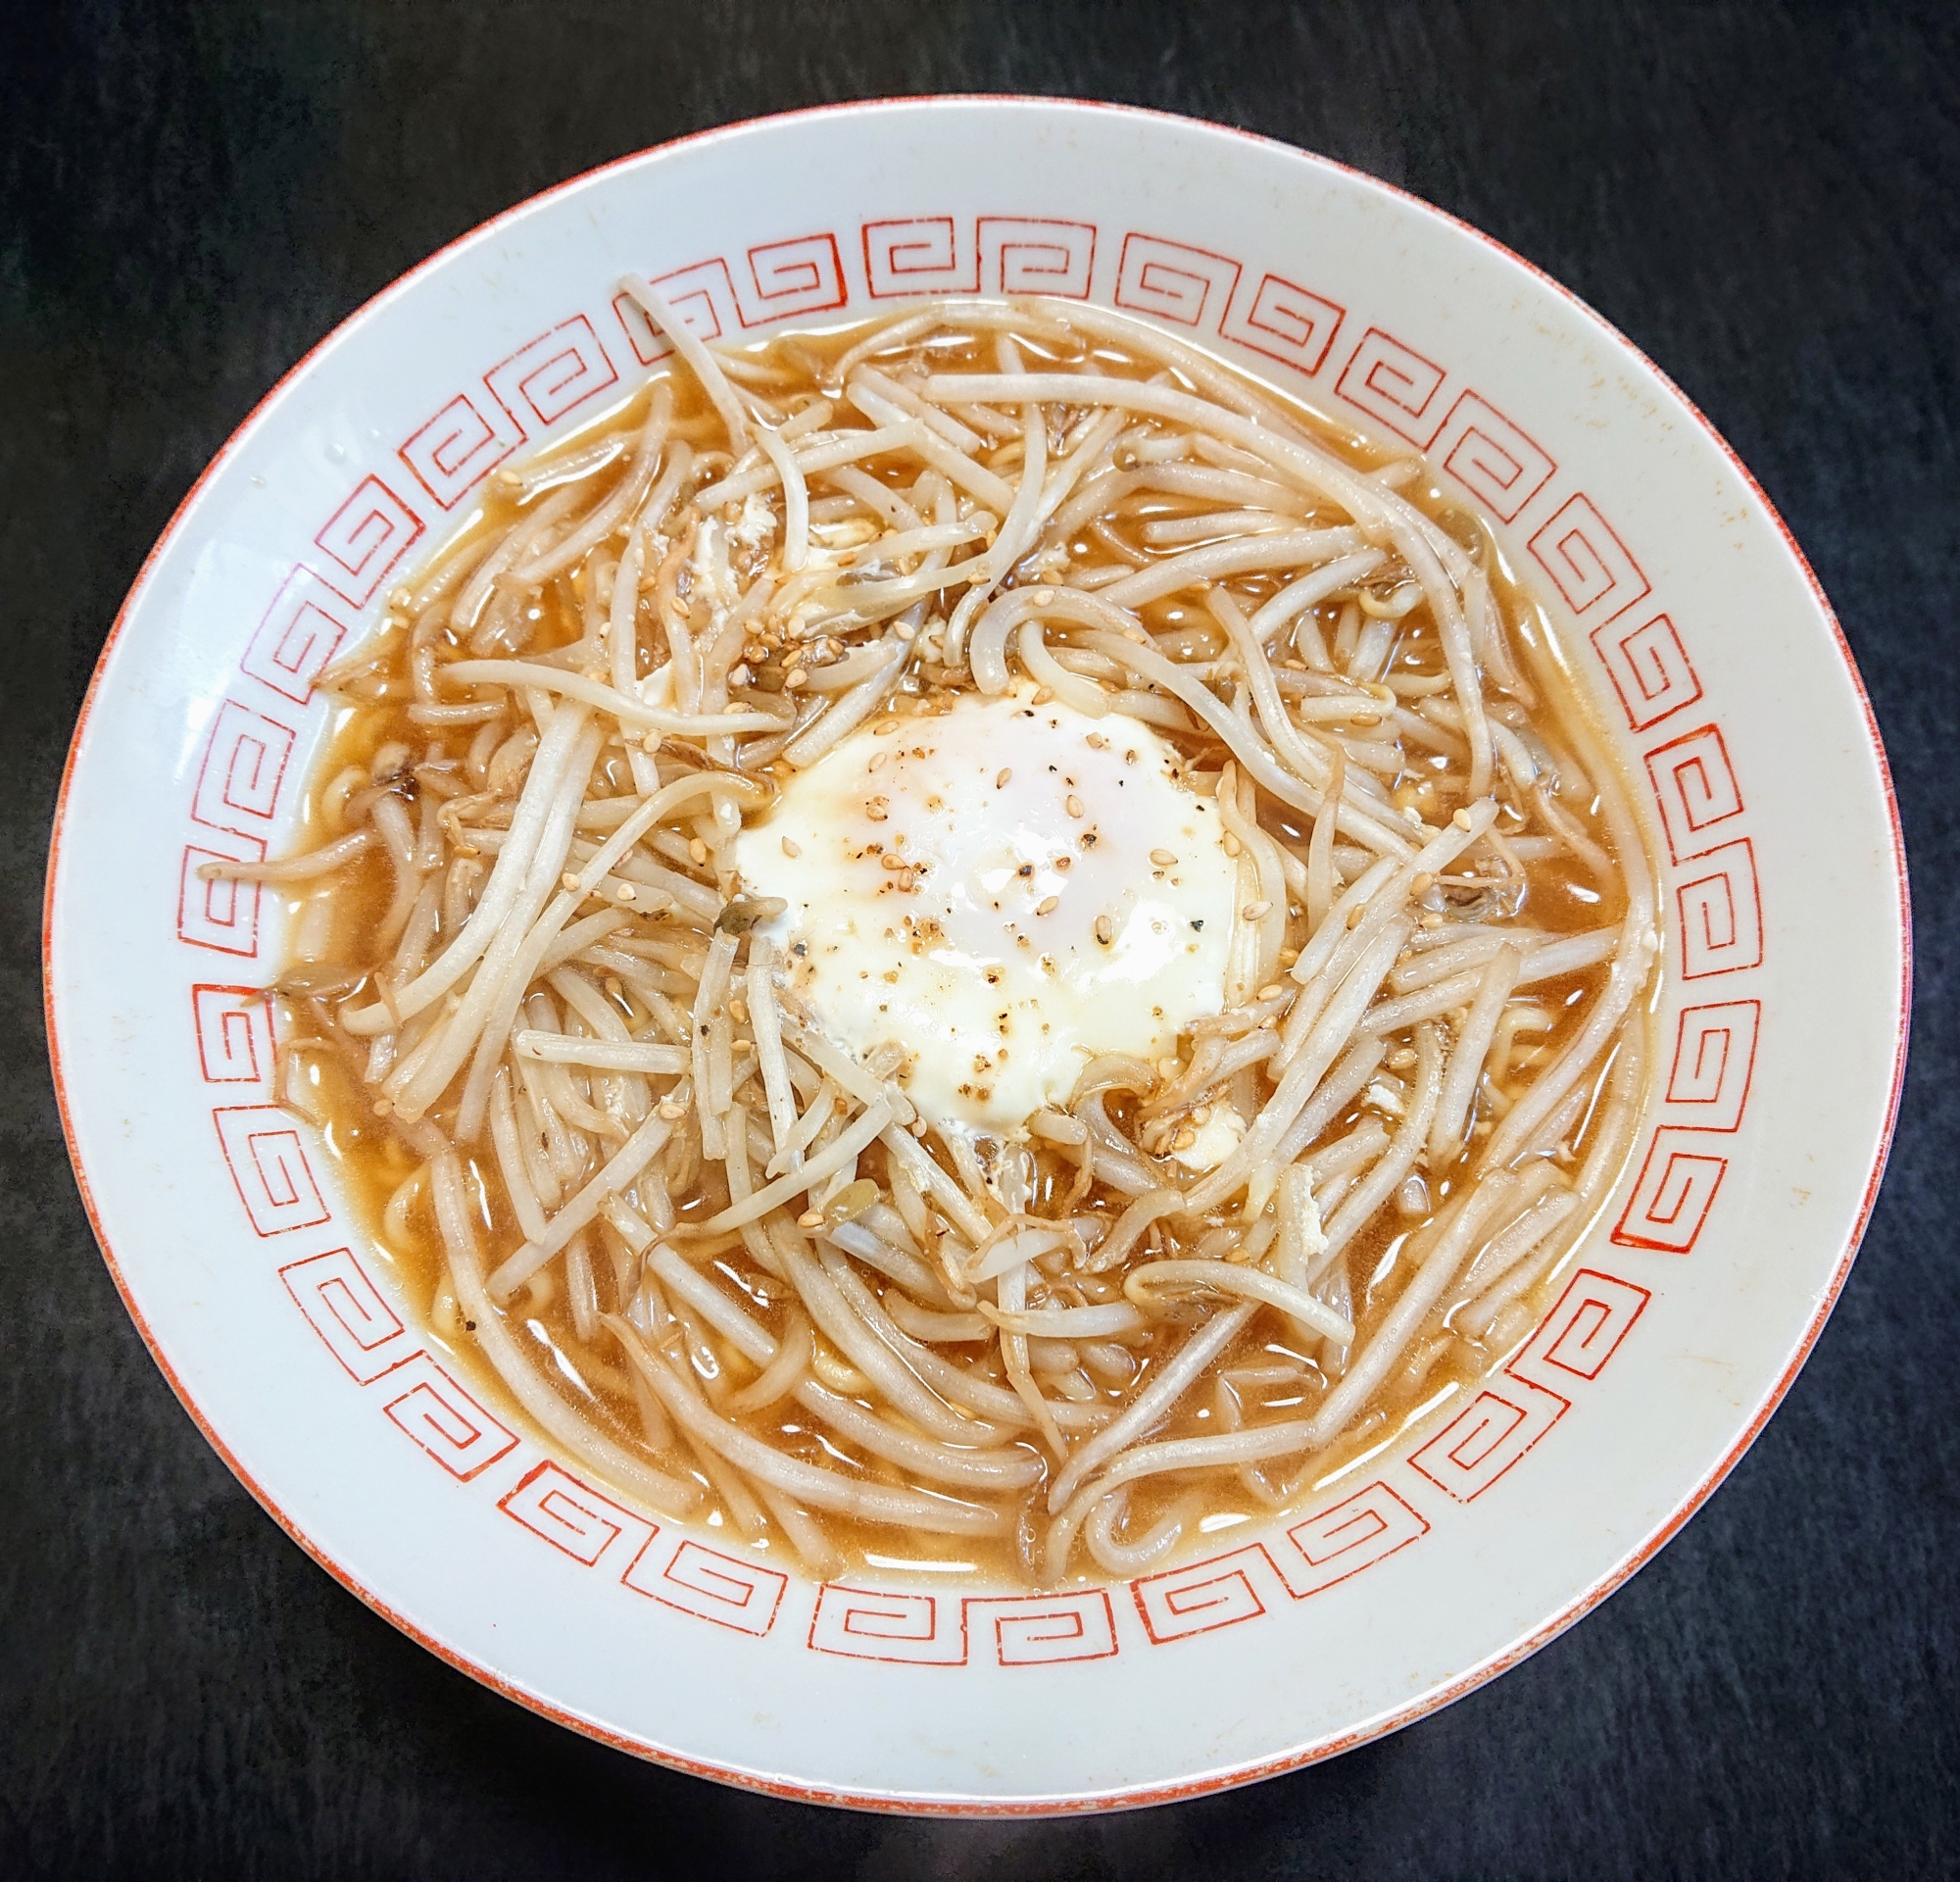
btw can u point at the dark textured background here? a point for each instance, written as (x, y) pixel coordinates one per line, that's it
(1765, 197)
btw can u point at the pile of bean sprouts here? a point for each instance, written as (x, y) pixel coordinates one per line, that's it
(780, 1291)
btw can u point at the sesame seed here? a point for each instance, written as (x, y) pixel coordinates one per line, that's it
(626, 892)
(673, 1112)
(570, 881)
(877, 760)
(1106, 929)
(1461, 820)
(651, 743)
(790, 849)
(1356, 913)
(810, 1219)
(1042, 694)
(1137, 635)
(1049, 905)
(1000, 782)
(794, 676)
(1168, 1068)
(1044, 597)
(1073, 806)
(1164, 859)
(1253, 911)
(906, 631)
(1184, 1139)
(1232, 844)
(1423, 882)
(891, 861)
(697, 852)
(737, 1010)
(1271, 993)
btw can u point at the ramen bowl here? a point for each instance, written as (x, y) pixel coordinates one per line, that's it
(1429, 1564)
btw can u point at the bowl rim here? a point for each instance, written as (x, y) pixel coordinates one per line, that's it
(1575, 1609)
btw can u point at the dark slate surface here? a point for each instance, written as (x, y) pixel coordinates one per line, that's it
(1765, 197)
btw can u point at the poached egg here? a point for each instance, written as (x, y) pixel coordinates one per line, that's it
(1004, 890)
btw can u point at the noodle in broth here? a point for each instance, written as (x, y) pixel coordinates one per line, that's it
(749, 1271)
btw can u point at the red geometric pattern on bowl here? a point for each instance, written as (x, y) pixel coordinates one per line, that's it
(553, 379)
(704, 1582)
(1721, 913)
(1165, 281)
(1593, 569)
(1506, 1417)
(234, 1034)
(911, 1627)
(551, 376)
(268, 1165)
(909, 257)
(243, 767)
(1675, 1191)
(1394, 385)
(1582, 1332)
(1042, 1630)
(428, 1405)
(1201, 1597)
(296, 640)
(1353, 1534)
(1036, 255)
(222, 914)
(364, 539)
(1696, 786)
(919, 255)
(1649, 669)
(1285, 321)
(573, 1517)
(458, 448)
(349, 1313)
(1714, 1063)
(714, 301)
(1496, 461)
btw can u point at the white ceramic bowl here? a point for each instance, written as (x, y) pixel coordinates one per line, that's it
(1695, 620)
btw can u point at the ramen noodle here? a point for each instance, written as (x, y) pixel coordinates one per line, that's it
(973, 940)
